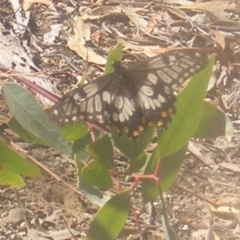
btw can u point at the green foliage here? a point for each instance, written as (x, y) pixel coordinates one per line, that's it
(189, 107)
(102, 151)
(111, 218)
(12, 165)
(30, 115)
(95, 159)
(130, 148)
(97, 175)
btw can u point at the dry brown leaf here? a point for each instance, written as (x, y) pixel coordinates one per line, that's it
(77, 43)
(214, 9)
(95, 37)
(137, 20)
(183, 2)
(15, 215)
(220, 38)
(99, 12)
(149, 51)
(150, 26)
(227, 199)
(224, 212)
(223, 5)
(195, 148)
(230, 166)
(26, 5)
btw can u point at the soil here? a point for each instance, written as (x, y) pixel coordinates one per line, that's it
(203, 203)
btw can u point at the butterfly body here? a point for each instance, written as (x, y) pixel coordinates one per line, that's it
(131, 97)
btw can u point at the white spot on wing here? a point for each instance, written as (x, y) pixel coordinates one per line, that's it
(90, 89)
(121, 117)
(55, 112)
(83, 107)
(115, 117)
(146, 90)
(183, 65)
(152, 78)
(175, 86)
(90, 105)
(151, 103)
(76, 96)
(167, 90)
(161, 98)
(146, 103)
(177, 69)
(98, 103)
(164, 77)
(106, 97)
(118, 102)
(157, 103)
(99, 118)
(171, 72)
(128, 104)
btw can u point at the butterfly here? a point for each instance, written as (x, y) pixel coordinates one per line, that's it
(131, 98)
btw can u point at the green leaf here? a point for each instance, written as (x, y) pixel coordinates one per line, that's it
(114, 55)
(91, 193)
(170, 234)
(138, 164)
(79, 147)
(129, 147)
(11, 179)
(31, 117)
(11, 161)
(97, 175)
(102, 151)
(110, 219)
(169, 169)
(23, 133)
(212, 123)
(189, 108)
(74, 131)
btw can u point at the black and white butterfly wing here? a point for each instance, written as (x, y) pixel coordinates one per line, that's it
(84, 103)
(105, 100)
(131, 97)
(157, 78)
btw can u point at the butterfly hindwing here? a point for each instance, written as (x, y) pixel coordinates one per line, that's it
(157, 78)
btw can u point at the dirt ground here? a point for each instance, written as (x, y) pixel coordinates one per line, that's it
(205, 199)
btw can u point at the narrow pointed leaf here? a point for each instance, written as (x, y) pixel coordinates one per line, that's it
(189, 107)
(31, 116)
(11, 161)
(11, 179)
(113, 55)
(23, 133)
(111, 218)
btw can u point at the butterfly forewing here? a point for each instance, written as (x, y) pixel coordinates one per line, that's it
(103, 101)
(86, 103)
(131, 97)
